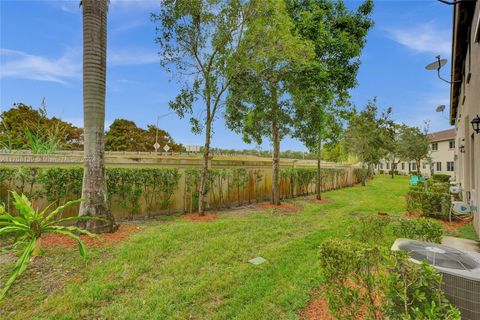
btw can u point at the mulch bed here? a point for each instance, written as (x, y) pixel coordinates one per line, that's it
(204, 218)
(105, 239)
(322, 201)
(284, 207)
(455, 225)
(317, 308)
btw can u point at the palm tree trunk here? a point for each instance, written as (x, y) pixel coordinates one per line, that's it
(94, 193)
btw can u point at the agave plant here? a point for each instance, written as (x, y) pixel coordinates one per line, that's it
(29, 226)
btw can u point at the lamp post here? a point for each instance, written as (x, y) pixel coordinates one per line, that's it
(157, 145)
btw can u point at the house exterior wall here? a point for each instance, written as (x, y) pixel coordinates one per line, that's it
(467, 107)
(443, 155)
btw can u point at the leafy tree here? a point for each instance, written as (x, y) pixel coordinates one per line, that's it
(21, 123)
(338, 35)
(414, 145)
(365, 135)
(198, 39)
(259, 103)
(94, 75)
(124, 135)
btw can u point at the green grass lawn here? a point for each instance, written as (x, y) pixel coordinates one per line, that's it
(178, 269)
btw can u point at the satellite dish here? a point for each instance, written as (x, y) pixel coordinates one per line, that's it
(440, 108)
(436, 65)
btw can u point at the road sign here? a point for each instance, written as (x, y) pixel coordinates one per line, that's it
(166, 148)
(156, 146)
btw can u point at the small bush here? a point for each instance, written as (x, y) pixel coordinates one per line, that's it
(350, 270)
(370, 229)
(441, 177)
(430, 201)
(419, 229)
(414, 291)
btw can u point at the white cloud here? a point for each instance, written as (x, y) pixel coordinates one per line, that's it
(424, 38)
(19, 64)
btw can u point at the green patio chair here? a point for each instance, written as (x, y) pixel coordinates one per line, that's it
(413, 180)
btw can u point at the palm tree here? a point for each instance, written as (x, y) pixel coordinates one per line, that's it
(94, 193)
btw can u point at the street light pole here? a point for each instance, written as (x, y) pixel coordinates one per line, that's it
(156, 145)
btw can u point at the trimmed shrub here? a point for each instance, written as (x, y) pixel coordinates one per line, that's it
(441, 177)
(414, 291)
(350, 270)
(370, 229)
(418, 229)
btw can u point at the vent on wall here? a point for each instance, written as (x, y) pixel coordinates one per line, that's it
(460, 269)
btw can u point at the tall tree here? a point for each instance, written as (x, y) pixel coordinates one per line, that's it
(338, 35)
(415, 145)
(125, 135)
(198, 39)
(392, 134)
(365, 136)
(259, 103)
(94, 193)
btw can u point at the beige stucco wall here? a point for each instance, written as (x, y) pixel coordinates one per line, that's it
(443, 154)
(468, 163)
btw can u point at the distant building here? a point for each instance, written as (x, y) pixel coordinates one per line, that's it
(442, 146)
(465, 100)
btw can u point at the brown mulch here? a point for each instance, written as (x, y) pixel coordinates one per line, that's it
(317, 308)
(284, 207)
(204, 218)
(453, 226)
(323, 200)
(104, 239)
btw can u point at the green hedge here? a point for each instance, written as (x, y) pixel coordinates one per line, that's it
(441, 177)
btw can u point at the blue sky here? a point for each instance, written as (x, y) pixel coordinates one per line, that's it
(41, 51)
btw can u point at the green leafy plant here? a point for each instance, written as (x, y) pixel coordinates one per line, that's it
(351, 273)
(414, 291)
(370, 229)
(29, 226)
(422, 229)
(441, 177)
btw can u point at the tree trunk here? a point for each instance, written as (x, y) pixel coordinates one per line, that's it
(392, 164)
(418, 168)
(94, 192)
(318, 188)
(276, 147)
(275, 165)
(203, 177)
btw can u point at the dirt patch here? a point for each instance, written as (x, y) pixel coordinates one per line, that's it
(104, 239)
(204, 218)
(453, 226)
(322, 201)
(317, 308)
(284, 207)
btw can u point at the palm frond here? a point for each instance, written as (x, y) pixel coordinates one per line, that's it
(61, 208)
(20, 267)
(81, 245)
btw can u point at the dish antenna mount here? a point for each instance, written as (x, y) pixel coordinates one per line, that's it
(437, 65)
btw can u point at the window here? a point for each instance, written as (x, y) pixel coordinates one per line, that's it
(434, 146)
(451, 144)
(403, 165)
(424, 165)
(439, 166)
(388, 166)
(450, 166)
(381, 166)
(414, 166)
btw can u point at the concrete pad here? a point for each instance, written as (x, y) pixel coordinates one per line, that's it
(461, 244)
(256, 261)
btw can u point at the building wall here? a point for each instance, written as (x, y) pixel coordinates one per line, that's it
(468, 163)
(443, 154)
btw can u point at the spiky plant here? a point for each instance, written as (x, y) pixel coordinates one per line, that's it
(29, 226)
